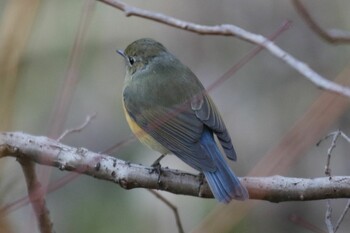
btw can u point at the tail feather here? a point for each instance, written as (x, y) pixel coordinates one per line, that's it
(223, 182)
(217, 188)
(226, 187)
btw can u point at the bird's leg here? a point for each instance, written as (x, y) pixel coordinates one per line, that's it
(201, 178)
(156, 162)
(157, 167)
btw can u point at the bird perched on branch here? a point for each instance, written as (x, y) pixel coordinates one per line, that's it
(168, 109)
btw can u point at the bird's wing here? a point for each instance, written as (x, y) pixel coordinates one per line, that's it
(178, 129)
(206, 111)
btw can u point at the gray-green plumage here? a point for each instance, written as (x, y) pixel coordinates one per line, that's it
(167, 101)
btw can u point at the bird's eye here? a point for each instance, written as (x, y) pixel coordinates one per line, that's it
(131, 60)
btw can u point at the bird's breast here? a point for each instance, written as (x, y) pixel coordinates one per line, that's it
(142, 135)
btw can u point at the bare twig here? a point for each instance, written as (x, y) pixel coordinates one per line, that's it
(333, 36)
(36, 196)
(329, 152)
(172, 207)
(328, 217)
(341, 217)
(232, 30)
(344, 136)
(88, 119)
(335, 135)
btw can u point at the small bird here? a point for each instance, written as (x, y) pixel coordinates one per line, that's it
(168, 109)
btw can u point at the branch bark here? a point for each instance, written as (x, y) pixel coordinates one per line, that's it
(45, 151)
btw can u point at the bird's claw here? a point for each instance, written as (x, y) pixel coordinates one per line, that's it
(157, 168)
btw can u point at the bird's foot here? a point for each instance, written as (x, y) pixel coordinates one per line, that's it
(156, 163)
(157, 168)
(201, 178)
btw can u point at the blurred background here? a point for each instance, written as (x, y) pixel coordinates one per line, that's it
(44, 42)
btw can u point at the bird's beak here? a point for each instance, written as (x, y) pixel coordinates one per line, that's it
(121, 52)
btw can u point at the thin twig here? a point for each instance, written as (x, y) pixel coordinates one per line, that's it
(345, 136)
(328, 217)
(324, 138)
(333, 36)
(36, 196)
(172, 207)
(88, 119)
(329, 152)
(232, 30)
(341, 218)
(335, 135)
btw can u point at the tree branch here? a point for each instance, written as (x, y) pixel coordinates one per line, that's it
(45, 151)
(172, 207)
(232, 30)
(36, 196)
(334, 36)
(328, 217)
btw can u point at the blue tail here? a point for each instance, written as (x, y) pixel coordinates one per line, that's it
(223, 182)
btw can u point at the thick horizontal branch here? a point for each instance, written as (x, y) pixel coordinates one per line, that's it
(45, 151)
